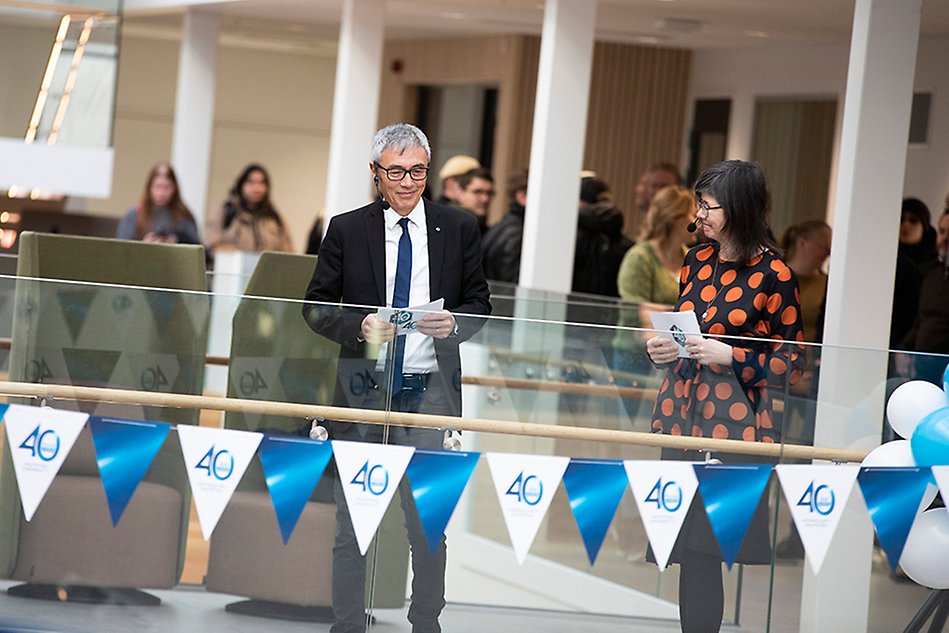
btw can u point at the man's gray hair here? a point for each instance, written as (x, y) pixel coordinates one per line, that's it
(399, 137)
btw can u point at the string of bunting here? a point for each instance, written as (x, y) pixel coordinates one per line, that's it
(895, 494)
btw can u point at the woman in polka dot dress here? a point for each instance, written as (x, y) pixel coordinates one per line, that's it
(738, 286)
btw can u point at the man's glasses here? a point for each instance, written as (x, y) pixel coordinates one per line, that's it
(704, 206)
(396, 174)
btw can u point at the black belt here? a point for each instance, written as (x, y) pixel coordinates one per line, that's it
(415, 382)
(410, 382)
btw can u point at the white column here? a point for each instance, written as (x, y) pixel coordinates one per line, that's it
(355, 105)
(860, 290)
(194, 109)
(560, 121)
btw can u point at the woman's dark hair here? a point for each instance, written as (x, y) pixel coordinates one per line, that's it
(264, 209)
(741, 189)
(176, 208)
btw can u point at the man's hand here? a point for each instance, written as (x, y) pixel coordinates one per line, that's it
(708, 351)
(439, 324)
(662, 350)
(376, 331)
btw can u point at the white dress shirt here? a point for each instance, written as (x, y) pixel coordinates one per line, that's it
(419, 349)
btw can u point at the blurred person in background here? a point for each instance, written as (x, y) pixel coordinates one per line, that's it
(930, 331)
(160, 216)
(449, 174)
(502, 242)
(652, 180)
(477, 192)
(248, 220)
(806, 247)
(600, 244)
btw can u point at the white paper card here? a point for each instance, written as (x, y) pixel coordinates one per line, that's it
(215, 460)
(525, 485)
(40, 438)
(370, 474)
(663, 491)
(676, 326)
(816, 495)
(406, 319)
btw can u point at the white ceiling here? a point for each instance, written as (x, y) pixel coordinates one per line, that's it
(719, 23)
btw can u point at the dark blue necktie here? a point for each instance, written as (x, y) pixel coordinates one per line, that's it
(400, 299)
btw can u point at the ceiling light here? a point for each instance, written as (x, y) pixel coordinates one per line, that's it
(453, 15)
(677, 25)
(756, 34)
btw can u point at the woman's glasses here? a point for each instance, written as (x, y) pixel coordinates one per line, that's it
(704, 206)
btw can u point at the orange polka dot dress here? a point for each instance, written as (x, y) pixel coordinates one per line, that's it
(758, 301)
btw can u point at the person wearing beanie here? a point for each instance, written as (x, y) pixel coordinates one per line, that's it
(452, 169)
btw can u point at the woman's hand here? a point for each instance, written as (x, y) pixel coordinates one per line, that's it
(708, 351)
(662, 350)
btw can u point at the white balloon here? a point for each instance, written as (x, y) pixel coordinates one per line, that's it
(925, 556)
(899, 453)
(895, 453)
(910, 403)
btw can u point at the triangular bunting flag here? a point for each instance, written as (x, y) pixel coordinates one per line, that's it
(594, 488)
(125, 450)
(816, 495)
(731, 493)
(292, 467)
(525, 485)
(40, 438)
(215, 460)
(941, 475)
(663, 491)
(90, 367)
(162, 304)
(437, 479)
(75, 306)
(370, 474)
(892, 496)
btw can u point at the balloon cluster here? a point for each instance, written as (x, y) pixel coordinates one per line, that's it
(919, 410)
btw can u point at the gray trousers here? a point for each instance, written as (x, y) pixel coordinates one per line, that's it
(349, 566)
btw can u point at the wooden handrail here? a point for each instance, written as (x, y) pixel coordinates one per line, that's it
(218, 403)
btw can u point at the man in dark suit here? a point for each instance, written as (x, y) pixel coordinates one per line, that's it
(398, 251)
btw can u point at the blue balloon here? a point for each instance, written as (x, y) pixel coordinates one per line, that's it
(930, 441)
(945, 380)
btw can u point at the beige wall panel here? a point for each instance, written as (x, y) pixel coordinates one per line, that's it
(637, 116)
(25, 53)
(486, 60)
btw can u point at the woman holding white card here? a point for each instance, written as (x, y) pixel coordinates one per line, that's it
(740, 289)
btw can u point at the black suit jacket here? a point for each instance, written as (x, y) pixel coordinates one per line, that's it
(350, 270)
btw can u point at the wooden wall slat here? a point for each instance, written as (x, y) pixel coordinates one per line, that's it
(636, 110)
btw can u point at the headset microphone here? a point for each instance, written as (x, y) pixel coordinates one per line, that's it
(385, 204)
(693, 225)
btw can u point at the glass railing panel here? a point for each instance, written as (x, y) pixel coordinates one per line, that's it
(549, 379)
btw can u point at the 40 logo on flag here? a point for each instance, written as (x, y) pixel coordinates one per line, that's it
(40, 439)
(215, 460)
(663, 491)
(370, 474)
(524, 485)
(816, 495)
